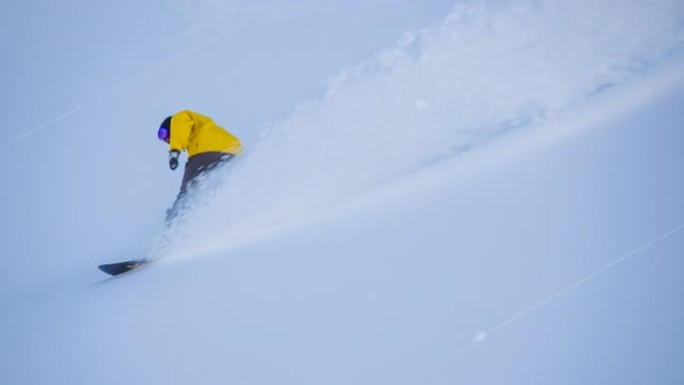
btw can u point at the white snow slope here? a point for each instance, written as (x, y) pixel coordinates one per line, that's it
(494, 199)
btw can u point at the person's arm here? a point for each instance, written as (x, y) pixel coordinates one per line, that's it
(181, 127)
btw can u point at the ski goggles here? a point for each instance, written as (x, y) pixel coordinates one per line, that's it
(164, 134)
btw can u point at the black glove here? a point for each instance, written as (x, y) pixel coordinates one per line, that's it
(173, 159)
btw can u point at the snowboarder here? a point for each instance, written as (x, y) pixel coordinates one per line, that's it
(208, 145)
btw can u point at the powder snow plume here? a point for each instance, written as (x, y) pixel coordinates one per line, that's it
(483, 70)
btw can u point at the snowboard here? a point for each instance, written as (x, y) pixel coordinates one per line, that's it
(123, 267)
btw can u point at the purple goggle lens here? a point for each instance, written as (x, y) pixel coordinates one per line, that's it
(163, 134)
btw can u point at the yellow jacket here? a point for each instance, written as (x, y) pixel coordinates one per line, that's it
(197, 133)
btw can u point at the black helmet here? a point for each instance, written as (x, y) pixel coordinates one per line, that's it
(164, 132)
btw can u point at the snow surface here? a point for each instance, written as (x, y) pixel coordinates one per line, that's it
(432, 193)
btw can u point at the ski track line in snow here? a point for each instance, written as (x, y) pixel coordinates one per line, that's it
(483, 335)
(119, 88)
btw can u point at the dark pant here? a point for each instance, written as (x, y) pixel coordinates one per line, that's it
(197, 165)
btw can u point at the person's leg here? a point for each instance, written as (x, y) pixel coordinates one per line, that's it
(196, 166)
